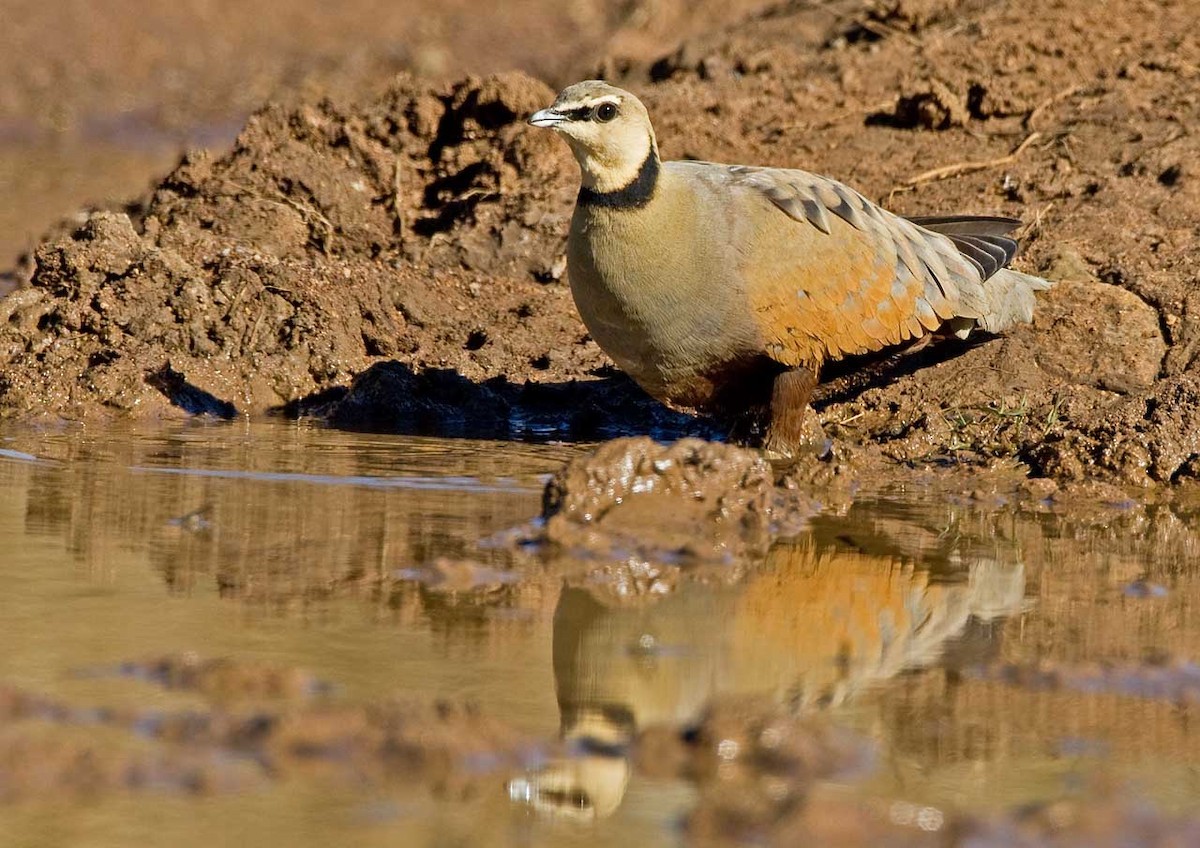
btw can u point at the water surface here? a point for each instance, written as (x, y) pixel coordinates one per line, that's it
(913, 619)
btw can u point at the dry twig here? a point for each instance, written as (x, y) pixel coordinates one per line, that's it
(882, 30)
(1050, 101)
(397, 197)
(1031, 230)
(957, 169)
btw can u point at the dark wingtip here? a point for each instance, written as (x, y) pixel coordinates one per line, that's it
(968, 225)
(982, 239)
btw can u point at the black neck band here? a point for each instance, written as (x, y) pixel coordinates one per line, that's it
(632, 196)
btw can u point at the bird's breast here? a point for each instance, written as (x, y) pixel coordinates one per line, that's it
(665, 308)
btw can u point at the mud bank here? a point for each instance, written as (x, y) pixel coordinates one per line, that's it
(397, 262)
(96, 105)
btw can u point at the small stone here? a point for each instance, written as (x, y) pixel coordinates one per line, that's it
(1096, 334)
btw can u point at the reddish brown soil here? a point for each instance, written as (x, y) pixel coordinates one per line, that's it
(418, 233)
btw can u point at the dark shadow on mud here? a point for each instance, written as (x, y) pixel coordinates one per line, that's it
(846, 379)
(392, 397)
(188, 397)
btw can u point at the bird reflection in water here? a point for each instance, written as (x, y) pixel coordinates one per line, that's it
(817, 623)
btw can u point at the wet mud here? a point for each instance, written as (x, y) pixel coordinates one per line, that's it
(233, 748)
(688, 501)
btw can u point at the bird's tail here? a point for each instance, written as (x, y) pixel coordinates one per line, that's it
(1010, 299)
(1007, 295)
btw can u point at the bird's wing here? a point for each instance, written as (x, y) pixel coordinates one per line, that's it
(829, 273)
(983, 239)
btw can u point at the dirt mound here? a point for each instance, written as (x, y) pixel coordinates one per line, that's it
(326, 239)
(425, 227)
(693, 500)
(380, 181)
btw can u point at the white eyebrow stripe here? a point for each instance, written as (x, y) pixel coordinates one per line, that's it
(578, 109)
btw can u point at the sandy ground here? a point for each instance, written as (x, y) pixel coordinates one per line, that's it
(410, 230)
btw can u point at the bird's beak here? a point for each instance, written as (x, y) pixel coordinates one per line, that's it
(547, 118)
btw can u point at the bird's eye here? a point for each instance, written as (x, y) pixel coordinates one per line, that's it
(605, 112)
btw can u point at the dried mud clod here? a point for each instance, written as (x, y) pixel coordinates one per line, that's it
(931, 106)
(701, 500)
(1098, 334)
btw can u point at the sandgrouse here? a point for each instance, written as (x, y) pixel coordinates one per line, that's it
(723, 289)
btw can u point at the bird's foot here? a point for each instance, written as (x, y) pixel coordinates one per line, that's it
(797, 435)
(794, 430)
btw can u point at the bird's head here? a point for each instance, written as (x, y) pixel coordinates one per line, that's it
(608, 129)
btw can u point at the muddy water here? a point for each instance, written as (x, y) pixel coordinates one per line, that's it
(980, 656)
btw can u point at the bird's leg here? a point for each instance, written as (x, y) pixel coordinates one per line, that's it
(793, 427)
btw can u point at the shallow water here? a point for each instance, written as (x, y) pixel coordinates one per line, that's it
(914, 620)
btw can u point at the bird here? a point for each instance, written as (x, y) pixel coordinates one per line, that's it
(724, 289)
